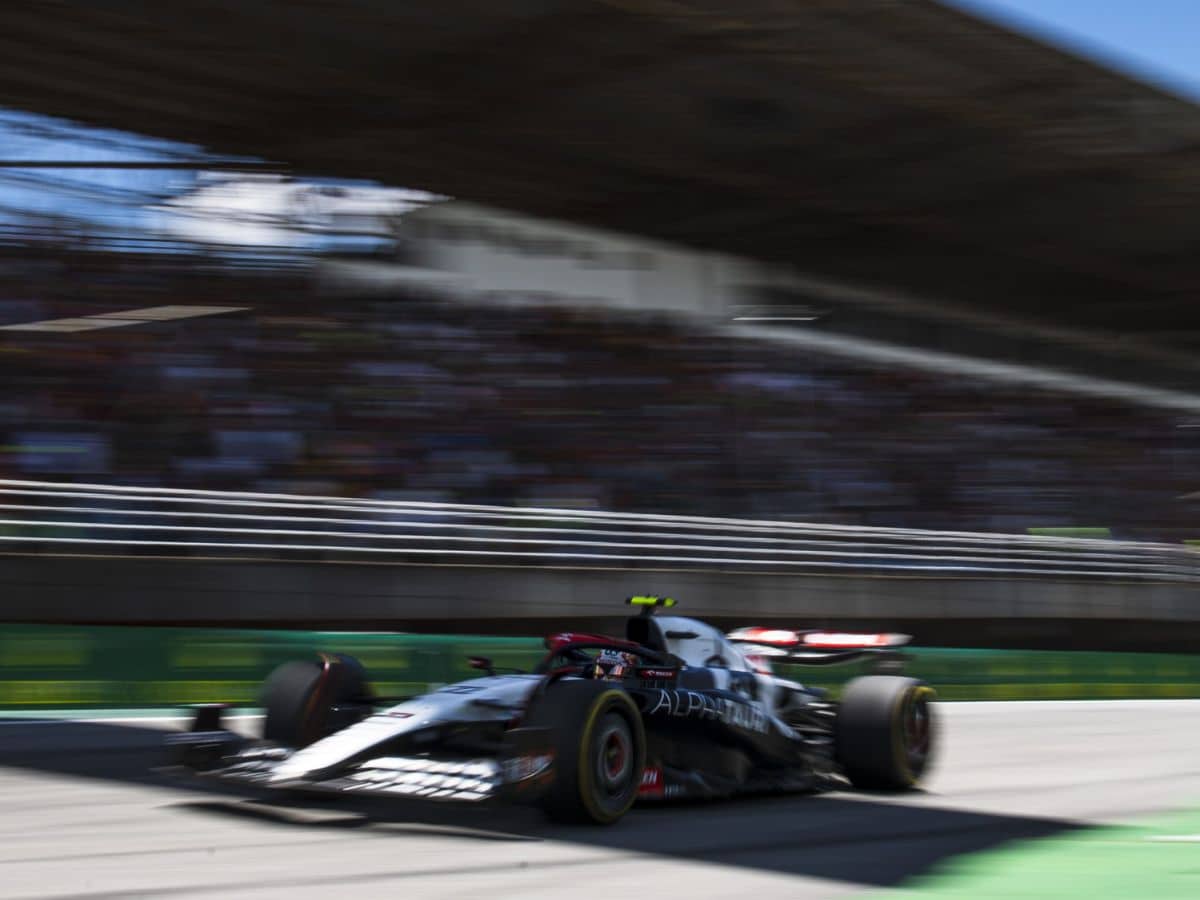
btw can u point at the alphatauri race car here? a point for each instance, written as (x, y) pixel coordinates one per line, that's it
(675, 709)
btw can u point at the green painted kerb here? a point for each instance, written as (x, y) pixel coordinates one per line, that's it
(54, 667)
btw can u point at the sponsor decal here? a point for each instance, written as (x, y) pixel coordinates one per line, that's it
(840, 640)
(657, 674)
(652, 782)
(461, 689)
(696, 705)
(773, 637)
(398, 714)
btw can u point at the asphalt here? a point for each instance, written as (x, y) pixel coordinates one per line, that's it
(83, 815)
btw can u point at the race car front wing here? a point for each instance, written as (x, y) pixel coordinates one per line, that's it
(518, 774)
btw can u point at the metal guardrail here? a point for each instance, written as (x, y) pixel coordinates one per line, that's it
(52, 517)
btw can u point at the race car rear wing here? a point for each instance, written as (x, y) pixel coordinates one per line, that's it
(816, 647)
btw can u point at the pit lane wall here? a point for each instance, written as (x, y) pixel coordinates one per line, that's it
(82, 667)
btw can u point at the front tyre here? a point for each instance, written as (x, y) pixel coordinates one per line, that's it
(886, 731)
(600, 750)
(306, 700)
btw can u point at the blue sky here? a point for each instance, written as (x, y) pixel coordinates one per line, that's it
(118, 208)
(103, 199)
(1153, 40)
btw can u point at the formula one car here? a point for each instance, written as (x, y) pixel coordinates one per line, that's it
(675, 709)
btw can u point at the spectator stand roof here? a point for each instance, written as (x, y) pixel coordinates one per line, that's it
(901, 143)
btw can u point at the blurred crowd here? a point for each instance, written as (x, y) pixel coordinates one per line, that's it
(408, 396)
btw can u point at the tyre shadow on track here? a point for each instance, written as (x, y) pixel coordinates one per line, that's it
(862, 839)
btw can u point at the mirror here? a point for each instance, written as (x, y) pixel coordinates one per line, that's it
(481, 662)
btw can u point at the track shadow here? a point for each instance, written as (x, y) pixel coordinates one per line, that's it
(855, 838)
(98, 750)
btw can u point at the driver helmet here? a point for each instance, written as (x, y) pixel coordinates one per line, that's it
(613, 665)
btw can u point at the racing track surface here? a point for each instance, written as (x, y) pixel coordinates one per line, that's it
(83, 817)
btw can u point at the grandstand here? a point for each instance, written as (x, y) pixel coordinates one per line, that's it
(906, 145)
(984, 247)
(411, 396)
(908, 174)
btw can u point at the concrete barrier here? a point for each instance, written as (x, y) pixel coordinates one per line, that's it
(121, 590)
(955, 610)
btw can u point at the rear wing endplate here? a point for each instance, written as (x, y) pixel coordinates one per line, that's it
(817, 647)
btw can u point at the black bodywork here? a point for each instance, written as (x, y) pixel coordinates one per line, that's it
(706, 730)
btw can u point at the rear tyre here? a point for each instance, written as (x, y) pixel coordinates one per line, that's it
(600, 750)
(885, 731)
(305, 700)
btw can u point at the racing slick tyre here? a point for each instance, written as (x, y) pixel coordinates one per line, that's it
(305, 700)
(600, 750)
(885, 731)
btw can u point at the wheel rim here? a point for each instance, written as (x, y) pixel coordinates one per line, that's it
(614, 755)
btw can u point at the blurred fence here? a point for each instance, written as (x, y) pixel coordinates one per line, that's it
(46, 517)
(78, 667)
